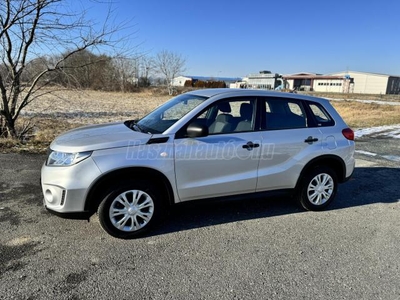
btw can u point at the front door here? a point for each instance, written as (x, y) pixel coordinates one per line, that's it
(226, 161)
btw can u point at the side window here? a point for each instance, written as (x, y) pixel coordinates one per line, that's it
(228, 116)
(281, 113)
(321, 116)
(296, 109)
(267, 108)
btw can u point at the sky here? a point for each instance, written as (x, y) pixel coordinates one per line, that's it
(235, 38)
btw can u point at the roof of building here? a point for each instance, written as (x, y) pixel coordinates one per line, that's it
(303, 74)
(312, 76)
(367, 73)
(213, 78)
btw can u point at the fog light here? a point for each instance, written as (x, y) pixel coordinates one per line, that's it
(48, 195)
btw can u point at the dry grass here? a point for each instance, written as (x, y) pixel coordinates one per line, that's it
(361, 115)
(353, 96)
(81, 105)
(54, 114)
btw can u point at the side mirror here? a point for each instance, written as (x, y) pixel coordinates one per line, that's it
(197, 130)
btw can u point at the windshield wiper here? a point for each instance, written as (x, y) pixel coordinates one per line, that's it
(132, 124)
(137, 127)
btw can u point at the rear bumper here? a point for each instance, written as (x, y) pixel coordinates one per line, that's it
(350, 167)
(348, 177)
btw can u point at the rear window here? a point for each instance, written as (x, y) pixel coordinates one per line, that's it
(321, 116)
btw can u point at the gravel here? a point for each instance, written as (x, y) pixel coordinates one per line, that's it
(248, 249)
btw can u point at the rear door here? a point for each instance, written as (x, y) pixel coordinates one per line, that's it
(288, 143)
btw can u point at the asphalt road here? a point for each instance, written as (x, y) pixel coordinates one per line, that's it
(254, 249)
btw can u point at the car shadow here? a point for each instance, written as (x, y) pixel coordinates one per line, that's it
(367, 186)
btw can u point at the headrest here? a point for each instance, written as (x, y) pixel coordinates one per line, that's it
(246, 111)
(224, 107)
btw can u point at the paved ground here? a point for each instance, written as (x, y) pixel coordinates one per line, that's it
(258, 249)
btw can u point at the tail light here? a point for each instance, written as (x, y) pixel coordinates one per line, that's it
(348, 134)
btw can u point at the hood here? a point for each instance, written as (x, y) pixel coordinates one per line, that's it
(97, 137)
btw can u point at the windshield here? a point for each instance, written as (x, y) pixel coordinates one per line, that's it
(170, 112)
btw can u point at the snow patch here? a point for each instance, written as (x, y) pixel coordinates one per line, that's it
(392, 131)
(367, 101)
(366, 153)
(392, 157)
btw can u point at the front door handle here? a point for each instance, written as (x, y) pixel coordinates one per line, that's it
(310, 140)
(250, 145)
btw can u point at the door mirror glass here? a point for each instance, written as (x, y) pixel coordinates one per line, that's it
(195, 129)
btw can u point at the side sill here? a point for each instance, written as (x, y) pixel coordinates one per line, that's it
(243, 197)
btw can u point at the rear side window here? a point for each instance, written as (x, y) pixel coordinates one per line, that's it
(283, 113)
(320, 115)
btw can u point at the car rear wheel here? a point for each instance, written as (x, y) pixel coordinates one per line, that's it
(318, 189)
(130, 209)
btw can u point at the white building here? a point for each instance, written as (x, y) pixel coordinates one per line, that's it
(319, 83)
(264, 80)
(341, 82)
(345, 82)
(372, 83)
(180, 80)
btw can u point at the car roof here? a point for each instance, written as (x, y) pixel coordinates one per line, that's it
(228, 92)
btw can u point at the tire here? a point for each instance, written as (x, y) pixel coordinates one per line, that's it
(130, 209)
(318, 189)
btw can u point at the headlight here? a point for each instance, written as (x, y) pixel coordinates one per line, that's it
(66, 159)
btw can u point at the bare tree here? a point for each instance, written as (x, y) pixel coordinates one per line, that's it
(125, 72)
(30, 30)
(133, 71)
(145, 68)
(169, 64)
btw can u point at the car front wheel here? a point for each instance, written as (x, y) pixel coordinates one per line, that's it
(318, 189)
(130, 209)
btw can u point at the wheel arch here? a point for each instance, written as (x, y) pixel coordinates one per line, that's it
(332, 161)
(104, 183)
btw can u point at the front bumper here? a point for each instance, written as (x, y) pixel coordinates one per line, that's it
(85, 215)
(65, 188)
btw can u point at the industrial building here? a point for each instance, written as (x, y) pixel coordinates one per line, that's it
(372, 83)
(320, 83)
(340, 82)
(299, 82)
(264, 80)
(345, 82)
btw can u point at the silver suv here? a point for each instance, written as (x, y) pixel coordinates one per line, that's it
(203, 144)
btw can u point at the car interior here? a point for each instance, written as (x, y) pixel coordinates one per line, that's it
(284, 115)
(238, 116)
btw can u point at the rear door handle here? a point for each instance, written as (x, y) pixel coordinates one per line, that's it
(250, 145)
(310, 140)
